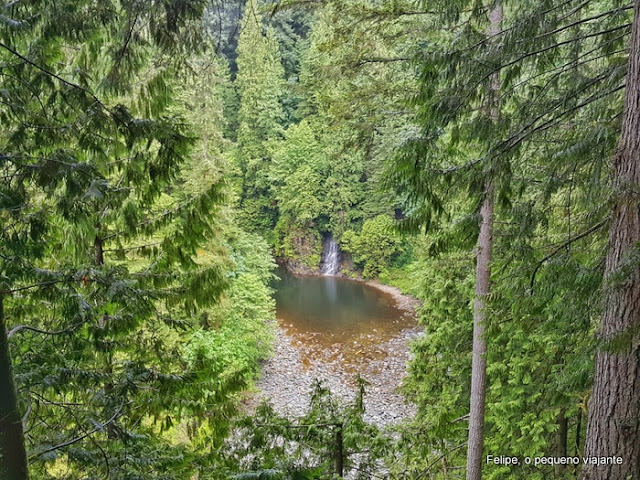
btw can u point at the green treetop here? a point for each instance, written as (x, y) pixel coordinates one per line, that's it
(260, 87)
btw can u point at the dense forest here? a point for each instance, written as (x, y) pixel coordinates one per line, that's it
(160, 159)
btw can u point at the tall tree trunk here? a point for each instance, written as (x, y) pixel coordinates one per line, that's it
(13, 456)
(339, 451)
(479, 360)
(98, 253)
(561, 440)
(483, 275)
(483, 287)
(578, 432)
(613, 427)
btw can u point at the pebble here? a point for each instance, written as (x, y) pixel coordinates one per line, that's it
(286, 381)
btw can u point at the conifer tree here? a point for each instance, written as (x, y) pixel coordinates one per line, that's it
(297, 175)
(483, 285)
(260, 85)
(486, 187)
(560, 67)
(91, 270)
(614, 410)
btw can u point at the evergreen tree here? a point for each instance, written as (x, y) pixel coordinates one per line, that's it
(92, 272)
(483, 281)
(298, 173)
(614, 410)
(560, 67)
(260, 86)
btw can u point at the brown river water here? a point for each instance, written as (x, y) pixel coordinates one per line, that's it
(345, 323)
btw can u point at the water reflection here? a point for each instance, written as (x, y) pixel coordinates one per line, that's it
(339, 320)
(332, 290)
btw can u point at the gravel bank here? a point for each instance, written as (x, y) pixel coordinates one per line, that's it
(404, 302)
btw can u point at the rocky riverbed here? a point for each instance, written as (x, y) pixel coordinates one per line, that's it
(301, 358)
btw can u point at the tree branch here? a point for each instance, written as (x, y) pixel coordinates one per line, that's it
(423, 472)
(20, 328)
(365, 61)
(532, 54)
(28, 287)
(80, 438)
(57, 77)
(562, 247)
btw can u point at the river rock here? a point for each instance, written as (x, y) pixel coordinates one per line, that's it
(287, 381)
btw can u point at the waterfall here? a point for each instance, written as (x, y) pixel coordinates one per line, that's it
(330, 264)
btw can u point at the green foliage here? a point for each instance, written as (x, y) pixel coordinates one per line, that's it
(140, 307)
(260, 87)
(298, 173)
(374, 246)
(301, 245)
(323, 175)
(306, 447)
(317, 190)
(235, 336)
(112, 252)
(438, 380)
(556, 71)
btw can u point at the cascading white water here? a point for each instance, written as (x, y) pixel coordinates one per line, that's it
(330, 264)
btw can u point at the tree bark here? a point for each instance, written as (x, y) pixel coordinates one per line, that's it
(479, 360)
(613, 427)
(339, 451)
(13, 456)
(482, 290)
(561, 440)
(98, 252)
(578, 432)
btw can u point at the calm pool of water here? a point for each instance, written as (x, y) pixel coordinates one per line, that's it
(338, 320)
